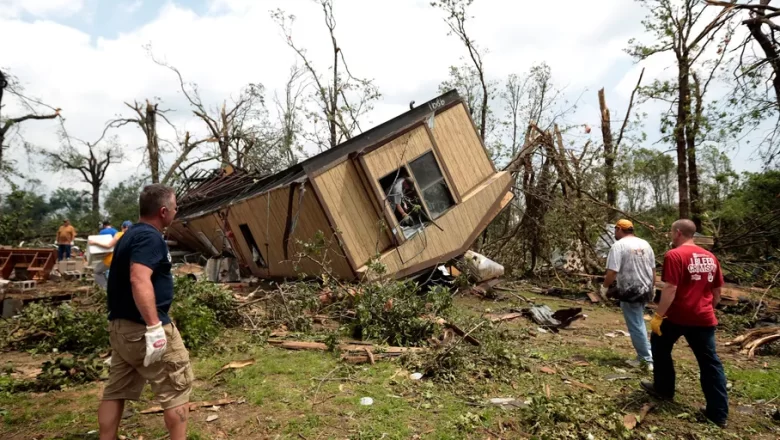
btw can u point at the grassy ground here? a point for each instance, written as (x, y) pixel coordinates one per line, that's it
(312, 395)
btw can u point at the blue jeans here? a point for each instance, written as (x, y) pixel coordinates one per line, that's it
(63, 251)
(711, 375)
(634, 313)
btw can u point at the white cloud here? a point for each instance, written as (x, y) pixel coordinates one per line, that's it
(402, 44)
(59, 8)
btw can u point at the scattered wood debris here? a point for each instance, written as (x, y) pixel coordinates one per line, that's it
(579, 384)
(753, 339)
(503, 317)
(194, 405)
(630, 421)
(235, 365)
(352, 352)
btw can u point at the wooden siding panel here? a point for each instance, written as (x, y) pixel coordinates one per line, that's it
(351, 207)
(310, 220)
(461, 149)
(397, 152)
(458, 224)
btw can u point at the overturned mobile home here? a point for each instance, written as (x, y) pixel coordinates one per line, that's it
(451, 192)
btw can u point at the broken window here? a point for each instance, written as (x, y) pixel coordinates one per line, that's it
(257, 257)
(404, 201)
(432, 184)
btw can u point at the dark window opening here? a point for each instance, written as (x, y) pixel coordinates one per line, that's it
(257, 257)
(432, 184)
(403, 199)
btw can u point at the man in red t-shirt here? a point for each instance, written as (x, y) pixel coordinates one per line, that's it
(687, 308)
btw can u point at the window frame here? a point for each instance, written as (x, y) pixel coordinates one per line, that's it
(389, 212)
(244, 232)
(421, 190)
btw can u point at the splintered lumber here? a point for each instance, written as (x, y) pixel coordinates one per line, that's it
(353, 352)
(193, 405)
(299, 345)
(235, 365)
(750, 341)
(503, 317)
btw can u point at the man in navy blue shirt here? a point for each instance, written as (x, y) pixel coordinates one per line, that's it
(145, 345)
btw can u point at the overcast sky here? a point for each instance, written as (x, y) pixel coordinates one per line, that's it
(87, 56)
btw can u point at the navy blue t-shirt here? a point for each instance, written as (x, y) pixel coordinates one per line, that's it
(142, 244)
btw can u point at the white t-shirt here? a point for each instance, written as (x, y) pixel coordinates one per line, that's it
(634, 261)
(396, 195)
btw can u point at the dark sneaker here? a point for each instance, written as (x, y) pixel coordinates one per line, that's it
(721, 425)
(650, 388)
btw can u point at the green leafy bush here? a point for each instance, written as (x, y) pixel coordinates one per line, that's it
(201, 310)
(44, 328)
(398, 313)
(57, 374)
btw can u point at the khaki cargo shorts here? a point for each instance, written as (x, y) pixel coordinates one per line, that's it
(171, 378)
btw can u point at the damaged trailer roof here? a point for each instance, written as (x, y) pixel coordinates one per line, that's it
(223, 190)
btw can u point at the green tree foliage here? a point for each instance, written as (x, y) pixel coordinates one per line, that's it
(121, 202)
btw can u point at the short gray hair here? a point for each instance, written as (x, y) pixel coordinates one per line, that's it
(153, 197)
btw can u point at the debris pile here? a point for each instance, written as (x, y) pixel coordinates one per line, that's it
(752, 340)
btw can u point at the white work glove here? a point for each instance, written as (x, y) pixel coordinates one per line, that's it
(603, 292)
(155, 344)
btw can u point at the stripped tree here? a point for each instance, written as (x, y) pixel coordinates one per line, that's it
(456, 20)
(341, 99)
(8, 125)
(91, 160)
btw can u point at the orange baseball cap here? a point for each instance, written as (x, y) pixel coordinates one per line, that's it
(624, 224)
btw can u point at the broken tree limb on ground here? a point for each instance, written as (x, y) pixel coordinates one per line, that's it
(235, 365)
(352, 352)
(750, 341)
(495, 318)
(194, 405)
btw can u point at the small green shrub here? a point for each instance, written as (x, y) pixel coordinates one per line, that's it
(398, 313)
(60, 373)
(201, 310)
(44, 328)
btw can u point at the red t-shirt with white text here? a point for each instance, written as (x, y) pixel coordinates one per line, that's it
(695, 272)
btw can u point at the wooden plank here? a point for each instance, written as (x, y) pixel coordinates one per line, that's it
(333, 223)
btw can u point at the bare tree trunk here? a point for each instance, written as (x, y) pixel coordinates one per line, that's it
(96, 197)
(679, 135)
(691, 135)
(334, 98)
(609, 153)
(152, 142)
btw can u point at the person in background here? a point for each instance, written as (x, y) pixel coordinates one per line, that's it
(107, 229)
(145, 345)
(102, 267)
(65, 236)
(631, 261)
(687, 308)
(397, 197)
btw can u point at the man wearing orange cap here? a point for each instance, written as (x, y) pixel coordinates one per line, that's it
(632, 262)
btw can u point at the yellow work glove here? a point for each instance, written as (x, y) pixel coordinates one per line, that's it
(655, 324)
